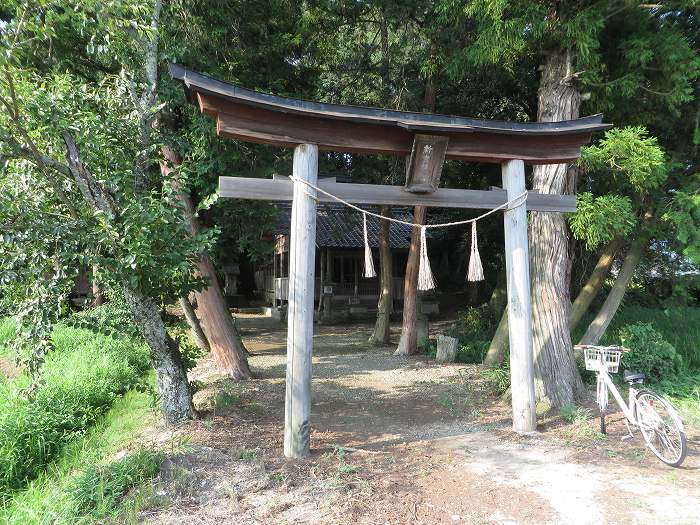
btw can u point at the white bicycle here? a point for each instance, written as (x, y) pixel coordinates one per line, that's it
(657, 420)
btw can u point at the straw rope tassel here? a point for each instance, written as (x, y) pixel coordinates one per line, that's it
(476, 270)
(369, 262)
(426, 281)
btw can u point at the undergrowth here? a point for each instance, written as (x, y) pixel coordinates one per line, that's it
(88, 484)
(82, 378)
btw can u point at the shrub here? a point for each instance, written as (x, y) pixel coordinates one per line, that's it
(112, 318)
(498, 378)
(98, 490)
(474, 323)
(81, 380)
(649, 352)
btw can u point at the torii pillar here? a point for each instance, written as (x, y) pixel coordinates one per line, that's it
(522, 378)
(300, 305)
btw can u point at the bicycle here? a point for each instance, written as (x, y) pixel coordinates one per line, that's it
(657, 420)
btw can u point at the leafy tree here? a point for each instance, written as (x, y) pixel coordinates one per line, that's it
(579, 44)
(125, 222)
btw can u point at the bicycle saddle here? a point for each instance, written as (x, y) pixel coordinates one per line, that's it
(632, 377)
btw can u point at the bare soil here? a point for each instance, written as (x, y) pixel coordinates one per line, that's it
(400, 441)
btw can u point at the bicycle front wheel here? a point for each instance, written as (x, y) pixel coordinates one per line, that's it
(661, 428)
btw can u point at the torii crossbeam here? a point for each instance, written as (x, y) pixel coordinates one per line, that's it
(428, 139)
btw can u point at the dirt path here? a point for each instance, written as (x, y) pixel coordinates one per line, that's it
(428, 444)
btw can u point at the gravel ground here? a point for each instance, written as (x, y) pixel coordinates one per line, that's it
(428, 444)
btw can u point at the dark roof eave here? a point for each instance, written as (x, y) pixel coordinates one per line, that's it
(411, 121)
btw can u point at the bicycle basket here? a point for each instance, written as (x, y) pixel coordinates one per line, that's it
(608, 355)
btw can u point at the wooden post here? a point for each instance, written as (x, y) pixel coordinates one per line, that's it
(300, 312)
(522, 383)
(321, 268)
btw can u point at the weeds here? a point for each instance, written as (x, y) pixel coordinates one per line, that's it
(582, 430)
(226, 399)
(98, 490)
(82, 379)
(498, 379)
(48, 499)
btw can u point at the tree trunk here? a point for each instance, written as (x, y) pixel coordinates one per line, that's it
(598, 326)
(556, 376)
(216, 321)
(218, 325)
(409, 336)
(380, 336)
(499, 343)
(499, 295)
(197, 334)
(171, 377)
(594, 283)
(98, 297)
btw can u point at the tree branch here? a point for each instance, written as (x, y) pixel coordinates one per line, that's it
(40, 159)
(93, 192)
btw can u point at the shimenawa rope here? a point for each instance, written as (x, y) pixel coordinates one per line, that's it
(426, 281)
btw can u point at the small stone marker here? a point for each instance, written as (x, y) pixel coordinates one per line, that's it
(446, 349)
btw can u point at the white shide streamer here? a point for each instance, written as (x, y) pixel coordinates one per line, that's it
(426, 281)
(369, 262)
(476, 270)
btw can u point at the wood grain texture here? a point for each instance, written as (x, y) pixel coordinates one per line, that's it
(376, 194)
(300, 311)
(251, 124)
(425, 164)
(519, 306)
(409, 334)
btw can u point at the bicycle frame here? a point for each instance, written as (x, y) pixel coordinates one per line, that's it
(629, 408)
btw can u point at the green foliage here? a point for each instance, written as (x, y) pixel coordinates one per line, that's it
(81, 380)
(49, 498)
(574, 414)
(7, 333)
(498, 378)
(226, 399)
(649, 352)
(467, 352)
(474, 323)
(684, 215)
(631, 153)
(683, 390)
(112, 318)
(49, 229)
(598, 220)
(680, 326)
(98, 489)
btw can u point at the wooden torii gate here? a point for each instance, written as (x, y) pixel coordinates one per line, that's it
(429, 139)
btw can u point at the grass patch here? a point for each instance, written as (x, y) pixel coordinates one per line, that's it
(81, 487)
(683, 391)
(98, 491)
(82, 379)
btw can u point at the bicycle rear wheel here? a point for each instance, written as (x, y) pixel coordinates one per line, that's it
(661, 428)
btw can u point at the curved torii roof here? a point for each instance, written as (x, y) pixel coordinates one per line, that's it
(282, 121)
